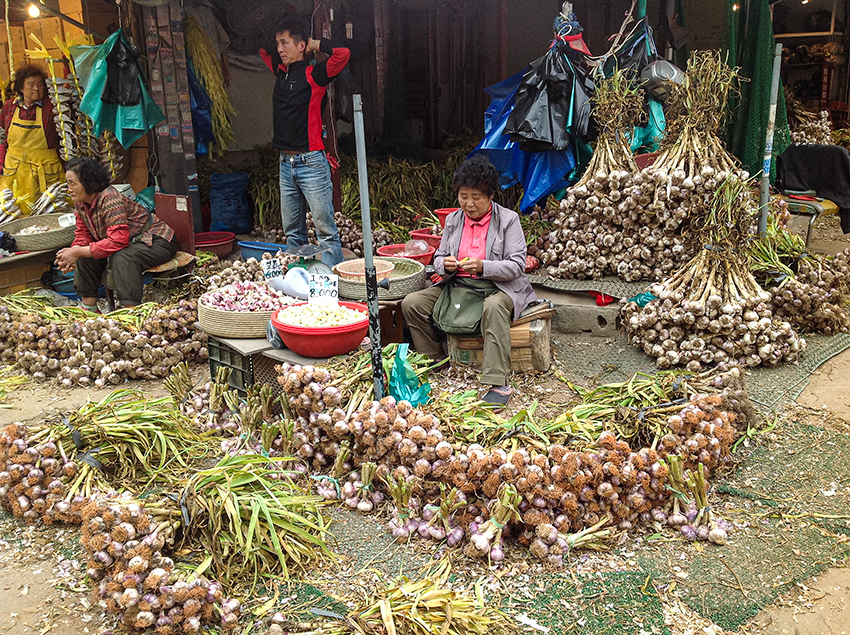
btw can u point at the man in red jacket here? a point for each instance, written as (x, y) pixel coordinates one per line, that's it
(300, 95)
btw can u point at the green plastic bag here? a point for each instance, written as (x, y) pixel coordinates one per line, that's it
(642, 299)
(404, 382)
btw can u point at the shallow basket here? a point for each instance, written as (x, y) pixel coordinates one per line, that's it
(233, 324)
(407, 277)
(54, 239)
(355, 270)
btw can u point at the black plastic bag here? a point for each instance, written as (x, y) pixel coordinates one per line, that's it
(553, 101)
(345, 86)
(122, 75)
(7, 242)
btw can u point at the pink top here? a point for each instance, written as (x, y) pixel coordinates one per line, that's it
(473, 240)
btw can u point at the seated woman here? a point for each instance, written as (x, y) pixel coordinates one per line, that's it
(111, 231)
(481, 259)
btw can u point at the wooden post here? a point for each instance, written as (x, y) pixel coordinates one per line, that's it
(174, 139)
(502, 40)
(380, 61)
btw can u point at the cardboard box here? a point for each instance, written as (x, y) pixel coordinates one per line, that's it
(18, 46)
(71, 6)
(45, 29)
(74, 35)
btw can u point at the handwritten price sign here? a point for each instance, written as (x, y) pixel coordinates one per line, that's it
(323, 288)
(272, 268)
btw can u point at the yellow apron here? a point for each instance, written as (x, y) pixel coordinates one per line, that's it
(30, 166)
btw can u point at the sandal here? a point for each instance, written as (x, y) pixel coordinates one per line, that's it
(497, 397)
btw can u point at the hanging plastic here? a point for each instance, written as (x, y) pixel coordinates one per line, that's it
(404, 382)
(539, 173)
(128, 123)
(201, 113)
(552, 103)
(345, 86)
(122, 75)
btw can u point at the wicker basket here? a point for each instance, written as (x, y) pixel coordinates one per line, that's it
(53, 239)
(233, 324)
(407, 277)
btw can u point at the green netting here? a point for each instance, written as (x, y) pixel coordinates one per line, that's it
(786, 500)
(749, 43)
(614, 603)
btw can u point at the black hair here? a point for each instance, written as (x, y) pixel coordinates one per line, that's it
(478, 173)
(297, 26)
(93, 176)
(24, 73)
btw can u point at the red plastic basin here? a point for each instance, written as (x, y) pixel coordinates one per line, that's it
(426, 235)
(325, 341)
(219, 243)
(395, 251)
(443, 214)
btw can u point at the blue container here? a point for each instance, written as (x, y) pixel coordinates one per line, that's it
(251, 249)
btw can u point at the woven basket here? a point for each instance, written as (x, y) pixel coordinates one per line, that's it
(233, 324)
(407, 277)
(53, 239)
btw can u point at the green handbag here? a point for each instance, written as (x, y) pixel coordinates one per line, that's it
(460, 306)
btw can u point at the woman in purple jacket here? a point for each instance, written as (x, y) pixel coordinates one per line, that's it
(483, 253)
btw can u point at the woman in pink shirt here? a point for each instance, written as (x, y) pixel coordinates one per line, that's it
(482, 256)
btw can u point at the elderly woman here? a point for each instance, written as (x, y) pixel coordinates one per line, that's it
(111, 231)
(482, 262)
(28, 151)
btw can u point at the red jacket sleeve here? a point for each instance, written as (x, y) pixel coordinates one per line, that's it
(324, 72)
(82, 235)
(117, 238)
(5, 121)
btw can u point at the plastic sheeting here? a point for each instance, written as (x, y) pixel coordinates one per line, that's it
(539, 173)
(128, 123)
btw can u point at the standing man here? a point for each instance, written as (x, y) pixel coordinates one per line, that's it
(300, 95)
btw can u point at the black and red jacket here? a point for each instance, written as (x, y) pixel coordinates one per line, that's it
(300, 95)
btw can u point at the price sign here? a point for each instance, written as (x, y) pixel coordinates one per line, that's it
(272, 268)
(323, 288)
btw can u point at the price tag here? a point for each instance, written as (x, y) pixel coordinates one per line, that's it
(272, 268)
(323, 288)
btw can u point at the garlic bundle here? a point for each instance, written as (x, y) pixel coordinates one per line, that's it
(813, 129)
(34, 479)
(712, 311)
(102, 350)
(125, 541)
(815, 299)
(237, 271)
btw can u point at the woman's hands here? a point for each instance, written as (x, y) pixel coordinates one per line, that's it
(66, 259)
(472, 266)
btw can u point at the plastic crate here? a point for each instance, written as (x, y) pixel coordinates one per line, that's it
(241, 366)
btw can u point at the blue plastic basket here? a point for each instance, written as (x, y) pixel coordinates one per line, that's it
(251, 249)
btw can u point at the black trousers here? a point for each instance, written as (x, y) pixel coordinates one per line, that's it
(126, 268)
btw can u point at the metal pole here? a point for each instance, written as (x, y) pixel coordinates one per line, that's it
(764, 195)
(371, 277)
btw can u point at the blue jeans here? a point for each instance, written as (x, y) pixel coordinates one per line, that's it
(305, 180)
